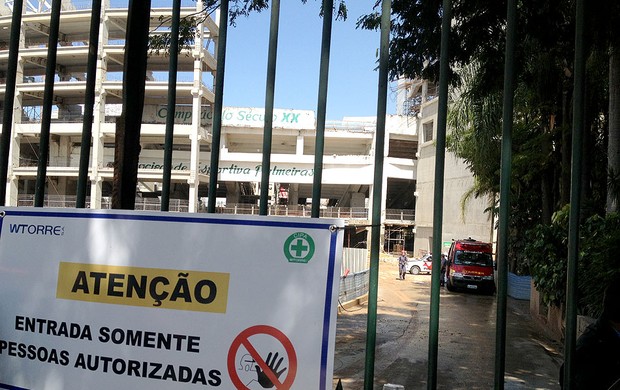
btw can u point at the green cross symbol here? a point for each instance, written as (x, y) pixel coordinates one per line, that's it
(299, 247)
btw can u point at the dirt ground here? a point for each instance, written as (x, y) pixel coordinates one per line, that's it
(466, 352)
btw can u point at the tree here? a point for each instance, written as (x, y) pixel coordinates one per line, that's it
(613, 150)
(543, 67)
(544, 58)
(597, 267)
(475, 137)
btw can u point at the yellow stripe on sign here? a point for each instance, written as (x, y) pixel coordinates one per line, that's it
(148, 287)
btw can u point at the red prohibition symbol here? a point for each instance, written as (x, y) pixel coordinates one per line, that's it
(243, 339)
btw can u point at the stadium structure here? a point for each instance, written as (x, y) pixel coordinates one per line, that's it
(349, 155)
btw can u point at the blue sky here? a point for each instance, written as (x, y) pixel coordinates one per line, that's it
(353, 80)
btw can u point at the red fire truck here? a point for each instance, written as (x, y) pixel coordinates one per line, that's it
(470, 266)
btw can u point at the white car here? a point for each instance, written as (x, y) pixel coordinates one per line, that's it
(422, 265)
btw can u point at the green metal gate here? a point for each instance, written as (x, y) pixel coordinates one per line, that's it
(133, 94)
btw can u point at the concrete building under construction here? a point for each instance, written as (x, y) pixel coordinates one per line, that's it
(349, 152)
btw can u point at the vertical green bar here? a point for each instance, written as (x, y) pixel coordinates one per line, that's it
(504, 197)
(134, 83)
(218, 107)
(48, 100)
(371, 328)
(575, 197)
(172, 100)
(89, 101)
(9, 97)
(269, 97)
(328, 7)
(442, 115)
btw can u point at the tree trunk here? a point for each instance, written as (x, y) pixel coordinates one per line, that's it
(547, 180)
(565, 167)
(613, 146)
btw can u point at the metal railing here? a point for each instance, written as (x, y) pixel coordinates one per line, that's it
(182, 205)
(353, 286)
(354, 274)
(399, 215)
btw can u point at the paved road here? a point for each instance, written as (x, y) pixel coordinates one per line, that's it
(466, 340)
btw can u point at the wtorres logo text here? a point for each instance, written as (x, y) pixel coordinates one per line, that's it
(39, 230)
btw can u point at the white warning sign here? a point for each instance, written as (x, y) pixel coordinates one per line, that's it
(135, 300)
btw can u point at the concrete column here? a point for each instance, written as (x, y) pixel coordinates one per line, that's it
(233, 192)
(383, 195)
(384, 180)
(358, 199)
(299, 146)
(383, 202)
(194, 169)
(12, 184)
(96, 160)
(369, 230)
(194, 165)
(60, 153)
(13, 180)
(64, 151)
(293, 194)
(61, 185)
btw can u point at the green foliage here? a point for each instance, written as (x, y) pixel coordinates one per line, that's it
(476, 137)
(613, 185)
(160, 42)
(599, 259)
(540, 139)
(547, 253)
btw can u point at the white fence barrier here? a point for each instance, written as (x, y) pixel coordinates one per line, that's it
(354, 274)
(354, 260)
